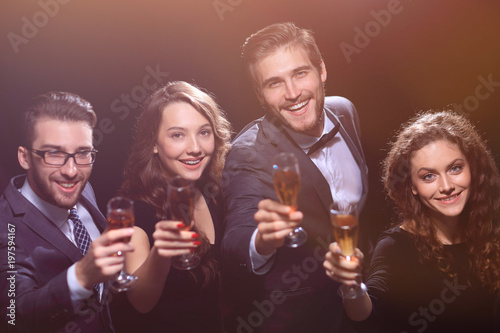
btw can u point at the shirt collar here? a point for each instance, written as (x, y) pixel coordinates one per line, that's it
(58, 215)
(306, 141)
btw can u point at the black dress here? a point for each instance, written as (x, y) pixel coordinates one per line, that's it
(183, 306)
(409, 296)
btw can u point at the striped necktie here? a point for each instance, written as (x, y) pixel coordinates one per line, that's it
(82, 236)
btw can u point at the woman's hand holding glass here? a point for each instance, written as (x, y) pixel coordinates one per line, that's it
(171, 239)
(345, 256)
(181, 200)
(347, 272)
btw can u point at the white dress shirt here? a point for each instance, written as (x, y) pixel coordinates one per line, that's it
(338, 166)
(59, 216)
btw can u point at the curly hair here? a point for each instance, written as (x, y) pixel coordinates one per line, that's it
(481, 214)
(144, 178)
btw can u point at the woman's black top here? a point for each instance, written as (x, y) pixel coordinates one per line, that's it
(184, 306)
(410, 296)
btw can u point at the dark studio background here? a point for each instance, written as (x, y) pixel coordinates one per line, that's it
(428, 55)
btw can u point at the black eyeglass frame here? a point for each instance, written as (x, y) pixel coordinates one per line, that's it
(41, 153)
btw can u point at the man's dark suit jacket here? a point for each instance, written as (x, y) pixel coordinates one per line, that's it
(295, 295)
(43, 255)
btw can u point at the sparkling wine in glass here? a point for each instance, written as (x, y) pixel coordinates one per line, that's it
(345, 226)
(286, 181)
(121, 215)
(181, 205)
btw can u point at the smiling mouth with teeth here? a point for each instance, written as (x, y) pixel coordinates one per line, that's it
(192, 162)
(67, 185)
(297, 106)
(450, 198)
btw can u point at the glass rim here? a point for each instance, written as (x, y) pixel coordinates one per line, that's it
(120, 198)
(350, 208)
(182, 182)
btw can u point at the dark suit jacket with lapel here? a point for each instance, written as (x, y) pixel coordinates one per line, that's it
(43, 256)
(295, 295)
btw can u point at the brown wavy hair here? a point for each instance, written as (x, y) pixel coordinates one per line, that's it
(144, 178)
(481, 229)
(273, 37)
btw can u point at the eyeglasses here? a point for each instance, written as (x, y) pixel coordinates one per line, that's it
(59, 158)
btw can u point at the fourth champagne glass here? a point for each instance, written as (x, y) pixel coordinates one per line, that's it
(345, 226)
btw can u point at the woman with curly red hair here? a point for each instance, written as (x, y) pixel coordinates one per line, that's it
(438, 269)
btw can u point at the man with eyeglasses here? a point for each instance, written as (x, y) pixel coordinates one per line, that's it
(63, 257)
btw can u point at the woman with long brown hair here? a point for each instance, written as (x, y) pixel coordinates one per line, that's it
(438, 269)
(180, 132)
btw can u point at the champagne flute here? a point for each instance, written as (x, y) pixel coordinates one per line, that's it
(345, 225)
(121, 215)
(286, 181)
(181, 205)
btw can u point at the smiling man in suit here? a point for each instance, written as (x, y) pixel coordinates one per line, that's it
(63, 255)
(276, 288)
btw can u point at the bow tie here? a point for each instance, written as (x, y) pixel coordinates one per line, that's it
(324, 139)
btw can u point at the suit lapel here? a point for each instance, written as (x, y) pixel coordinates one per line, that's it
(347, 132)
(89, 203)
(42, 226)
(28, 214)
(88, 200)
